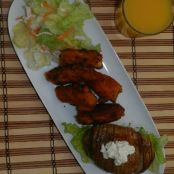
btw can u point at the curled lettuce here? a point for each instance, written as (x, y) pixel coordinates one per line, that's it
(22, 37)
(77, 133)
(36, 59)
(158, 144)
(50, 42)
(36, 6)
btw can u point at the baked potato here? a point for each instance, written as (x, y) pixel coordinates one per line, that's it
(99, 135)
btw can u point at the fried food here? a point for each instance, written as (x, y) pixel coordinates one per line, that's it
(70, 74)
(137, 162)
(102, 113)
(80, 96)
(104, 86)
(84, 58)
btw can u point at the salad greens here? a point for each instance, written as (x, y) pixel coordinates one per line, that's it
(77, 132)
(23, 39)
(49, 26)
(158, 144)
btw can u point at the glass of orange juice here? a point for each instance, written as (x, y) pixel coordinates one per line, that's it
(136, 18)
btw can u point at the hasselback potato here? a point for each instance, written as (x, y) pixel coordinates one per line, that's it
(137, 162)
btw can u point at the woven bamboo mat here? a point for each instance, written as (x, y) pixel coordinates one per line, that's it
(29, 142)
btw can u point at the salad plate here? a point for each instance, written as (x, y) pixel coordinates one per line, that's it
(136, 112)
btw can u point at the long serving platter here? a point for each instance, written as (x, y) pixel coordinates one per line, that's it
(136, 112)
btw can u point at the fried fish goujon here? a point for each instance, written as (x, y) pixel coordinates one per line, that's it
(77, 95)
(104, 86)
(84, 58)
(102, 113)
(137, 162)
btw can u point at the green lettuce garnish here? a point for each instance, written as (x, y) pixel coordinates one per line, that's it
(158, 144)
(77, 132)
(22, 37)
(67, 21)
(50, 41)
(36, 7)
(35, 59)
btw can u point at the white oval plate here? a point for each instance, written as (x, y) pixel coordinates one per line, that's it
(136, 112)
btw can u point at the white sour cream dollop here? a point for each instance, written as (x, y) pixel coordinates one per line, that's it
(118, 151)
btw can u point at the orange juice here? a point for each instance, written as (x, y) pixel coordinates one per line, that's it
(144, 17)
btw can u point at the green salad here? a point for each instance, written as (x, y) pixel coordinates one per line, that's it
(158, 144)
(49, 26)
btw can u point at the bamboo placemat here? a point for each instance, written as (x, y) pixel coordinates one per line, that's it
(29, 142)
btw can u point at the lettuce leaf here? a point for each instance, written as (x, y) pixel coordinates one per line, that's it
(158, 144)
(77, 133)
(35, 59)
(50, 41)
(37, 7)
(76, 16)
(70, 16)
(22, 37)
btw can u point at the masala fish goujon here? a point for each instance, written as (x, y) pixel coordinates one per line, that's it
(103, 85)
(78, 95)
(102, 113)
(90, 58)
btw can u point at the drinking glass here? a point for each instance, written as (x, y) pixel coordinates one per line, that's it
(137, 18)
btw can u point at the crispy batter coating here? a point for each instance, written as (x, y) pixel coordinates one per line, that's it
(70, 74)
(84, 58)
(104, 86)
(80, 96)
(102, 113)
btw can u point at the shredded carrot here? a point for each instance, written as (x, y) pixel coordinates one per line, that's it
(48, 13)
(65, 34)
(42, 48)
(37, 30)
(32, 33)
(50, 9)
(46, 5)
(29, 21)
(19, 17)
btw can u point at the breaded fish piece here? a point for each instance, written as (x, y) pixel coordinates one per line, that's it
(84, 58)
(80, 96)
(103, 85)
(102, 113)
(63, 75)
(70, 74)
(99, 135)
